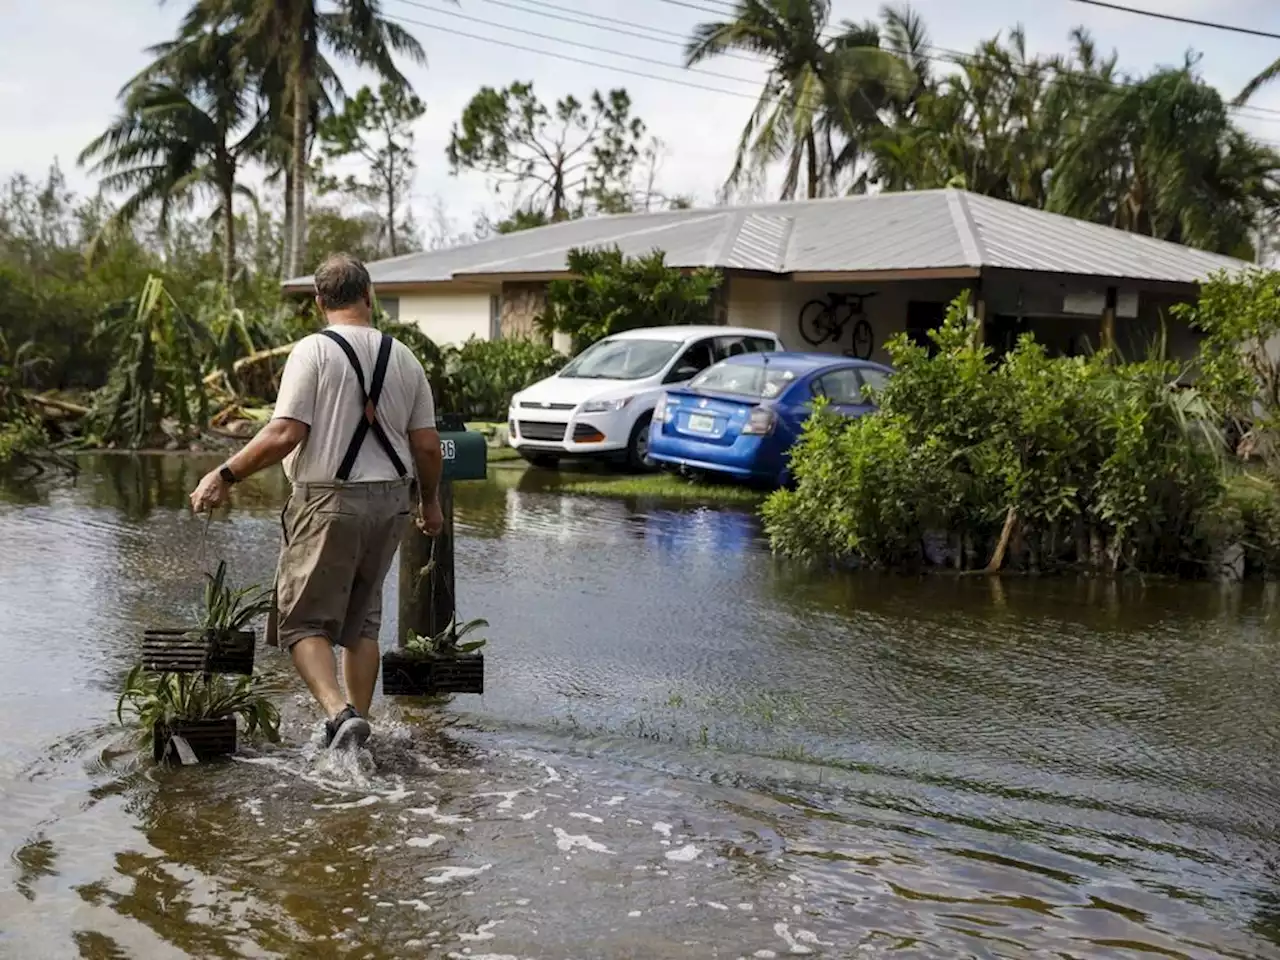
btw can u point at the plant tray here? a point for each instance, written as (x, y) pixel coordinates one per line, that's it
(209, 739)
(193, 651)
(405, 675)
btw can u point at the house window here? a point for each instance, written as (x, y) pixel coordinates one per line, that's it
(391, 307)
(495, 317)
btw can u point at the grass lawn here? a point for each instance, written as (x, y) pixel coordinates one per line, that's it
(658, 486)
(594, 481)
(590, 480)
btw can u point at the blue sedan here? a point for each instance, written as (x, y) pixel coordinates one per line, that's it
(741, 416)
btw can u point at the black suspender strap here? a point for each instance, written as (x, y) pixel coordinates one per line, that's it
(369, 420)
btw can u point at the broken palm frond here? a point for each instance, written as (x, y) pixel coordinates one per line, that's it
(271, 353)
(53, 403)
(158, 370)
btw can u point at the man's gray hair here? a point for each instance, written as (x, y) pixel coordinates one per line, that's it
(341, 281)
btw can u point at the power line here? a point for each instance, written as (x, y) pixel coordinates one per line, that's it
(952, 57)
(1230, 28)
(639, 58)
(612, 25)
(579, 60)
(609, 66)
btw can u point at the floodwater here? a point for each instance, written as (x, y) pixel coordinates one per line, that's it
(686, 749)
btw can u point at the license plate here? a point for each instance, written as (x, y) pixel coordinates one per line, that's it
(701, 423)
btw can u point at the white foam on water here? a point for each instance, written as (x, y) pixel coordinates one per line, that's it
(468, 955)
(420, 905)
(746, 907)
(330, 868)
(793, 942)
(483, 932)
(509, 797)
(350, 805)
(615, 801)
(424, 843)
(449, 874)
(765, 955)
(567, 842)
(531, 814)
(662, 828)
(586, 816)
(716, 906)
(635, 823)
(686, 854)
(552, 775)
(634, 913)
(433, 813)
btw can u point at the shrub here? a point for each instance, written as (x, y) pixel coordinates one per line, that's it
(482, 376)
(1084, 459)
(610, 293)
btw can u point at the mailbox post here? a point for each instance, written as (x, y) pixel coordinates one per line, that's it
(427, 596)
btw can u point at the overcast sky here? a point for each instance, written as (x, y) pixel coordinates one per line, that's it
(62, 63)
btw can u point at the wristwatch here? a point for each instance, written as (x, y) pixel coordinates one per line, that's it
(226, 474)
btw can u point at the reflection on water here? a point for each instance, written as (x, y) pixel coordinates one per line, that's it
(686, 749)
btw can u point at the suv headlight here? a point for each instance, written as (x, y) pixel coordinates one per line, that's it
(605, 406)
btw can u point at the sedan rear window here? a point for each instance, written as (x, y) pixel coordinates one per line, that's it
(745, 379)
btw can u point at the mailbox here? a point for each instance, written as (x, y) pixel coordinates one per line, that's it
(466, 453)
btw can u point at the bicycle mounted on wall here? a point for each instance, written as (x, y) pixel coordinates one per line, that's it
(824, 321)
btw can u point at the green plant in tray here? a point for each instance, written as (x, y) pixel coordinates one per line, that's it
(166, 699)
(226, 609)
(447, 643)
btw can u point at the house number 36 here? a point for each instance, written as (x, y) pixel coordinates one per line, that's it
(447, 448)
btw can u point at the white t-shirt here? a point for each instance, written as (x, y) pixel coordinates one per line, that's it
(319, 388)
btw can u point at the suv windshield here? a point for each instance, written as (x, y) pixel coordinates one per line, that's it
(621, 360)
(745, 379)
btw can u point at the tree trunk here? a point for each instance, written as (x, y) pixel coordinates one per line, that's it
(301, 112)
(812, 149)
(286, 239)
(997, 558)
(391, 218)
(228, 190)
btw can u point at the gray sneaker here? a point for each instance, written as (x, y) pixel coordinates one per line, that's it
(347, 729)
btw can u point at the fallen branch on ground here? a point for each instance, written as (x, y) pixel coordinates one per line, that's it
(253, 358)
(63, 406)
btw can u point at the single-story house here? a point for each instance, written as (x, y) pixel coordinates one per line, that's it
(896, 259)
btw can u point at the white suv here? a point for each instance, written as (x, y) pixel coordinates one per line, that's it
(601, 403)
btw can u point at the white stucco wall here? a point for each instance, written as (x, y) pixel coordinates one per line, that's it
(448, 318)
(776, 304)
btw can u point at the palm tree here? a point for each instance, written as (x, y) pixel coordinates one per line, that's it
(1261, 80)
(1162, 157)
(287, 39)
(187, 125)
(819, 90)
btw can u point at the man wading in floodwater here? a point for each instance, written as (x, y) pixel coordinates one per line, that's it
(354, 409)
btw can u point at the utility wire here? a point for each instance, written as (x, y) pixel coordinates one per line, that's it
(609, 66)
(640, 58)
(571, 59)
(953, 57)
(598, 21)
(1264, 114)
(1210, 24)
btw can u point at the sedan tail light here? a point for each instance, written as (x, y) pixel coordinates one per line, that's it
(761, 422)
(660, 410)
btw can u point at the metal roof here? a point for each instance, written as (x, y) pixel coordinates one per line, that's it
(926, 230)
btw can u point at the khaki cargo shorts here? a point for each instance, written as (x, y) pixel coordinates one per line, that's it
(339, 540)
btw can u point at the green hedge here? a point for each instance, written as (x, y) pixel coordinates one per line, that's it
(1096, 462)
